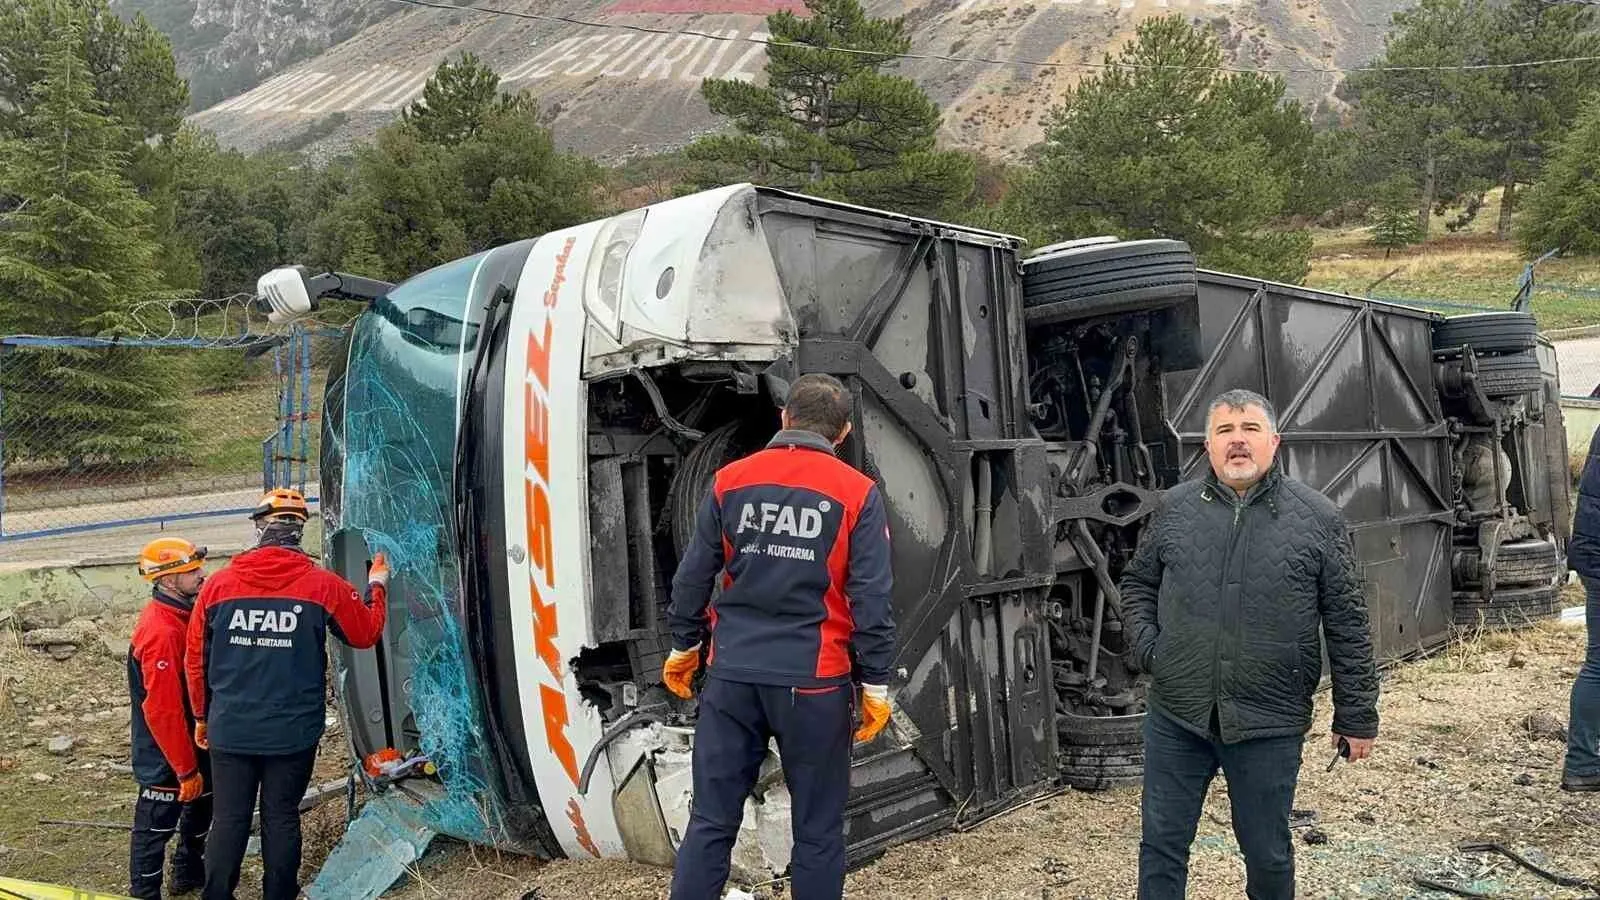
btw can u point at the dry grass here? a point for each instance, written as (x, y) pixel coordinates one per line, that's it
(1449, 761)
(1470, 267)
(86, 697)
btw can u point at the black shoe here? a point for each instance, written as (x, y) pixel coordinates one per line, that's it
(185, 882)
(1570, 782)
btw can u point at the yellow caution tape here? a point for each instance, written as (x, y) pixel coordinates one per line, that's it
(17, 889)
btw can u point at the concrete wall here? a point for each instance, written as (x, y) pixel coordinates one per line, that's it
(95, 588)
(1582, 418)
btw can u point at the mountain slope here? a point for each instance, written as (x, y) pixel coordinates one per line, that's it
(630, 83)
(227, 46)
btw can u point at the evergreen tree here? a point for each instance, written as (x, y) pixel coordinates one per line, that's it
(75, 254)
(1394, 218)
(830, 122)
(457, 102)
(1563, 208)
(134, 75)
(1535, 104)
(1429, 124)
(415, 201)
(1160, 143)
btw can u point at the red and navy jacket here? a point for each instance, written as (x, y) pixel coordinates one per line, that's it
(257, 645)
(163, 727)
(801, 540)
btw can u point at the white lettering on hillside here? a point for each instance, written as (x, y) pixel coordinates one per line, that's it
(1098, 4)
(685, 59)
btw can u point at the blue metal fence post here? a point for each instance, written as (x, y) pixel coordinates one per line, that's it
(280, 435)
(3, 348)
(305, 405)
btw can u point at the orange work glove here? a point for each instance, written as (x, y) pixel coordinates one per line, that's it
(379, 572)
(200, 736)
(189, 788)
(874, 711)
(679, 668)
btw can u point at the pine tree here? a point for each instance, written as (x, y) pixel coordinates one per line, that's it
(1535, 104)
(75, 253)
(1394, 217)
(829, 122)
(1162, 144)
(1563, 208)
(1429, 123)
(457, 102)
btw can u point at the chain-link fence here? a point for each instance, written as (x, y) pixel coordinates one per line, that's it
(98, 433)
(1577, 357)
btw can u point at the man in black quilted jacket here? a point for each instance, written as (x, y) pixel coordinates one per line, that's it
(1224, 598)
(1581, 768)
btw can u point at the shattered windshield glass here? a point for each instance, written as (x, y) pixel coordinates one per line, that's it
(392, 466)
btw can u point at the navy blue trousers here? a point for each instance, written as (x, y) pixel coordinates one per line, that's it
(813, 728)
(1178, 768)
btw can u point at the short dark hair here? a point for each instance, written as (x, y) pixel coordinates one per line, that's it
(819, 403)
(1238, 399)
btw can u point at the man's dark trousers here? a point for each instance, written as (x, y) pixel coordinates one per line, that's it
(813, 727)
(281, 782)
(1178, 767)
(157, 816)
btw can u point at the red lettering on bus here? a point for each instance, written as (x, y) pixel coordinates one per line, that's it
(554, 701)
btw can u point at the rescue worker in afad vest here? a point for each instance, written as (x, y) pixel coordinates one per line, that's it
(799, 542)
(257, 678)
(173, 775)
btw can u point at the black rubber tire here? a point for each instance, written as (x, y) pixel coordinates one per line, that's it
(1509, 376)
(1511, 608)
(1085, 782)
(1101, 752)
(1520, 563)
(720, 446)
(1490, 332)
(1107, 279)
(1100, 731)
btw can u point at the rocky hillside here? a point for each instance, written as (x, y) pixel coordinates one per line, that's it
(621, 77)
(228, 46)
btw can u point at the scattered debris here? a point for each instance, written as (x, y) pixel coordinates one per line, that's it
(46, 637)
(114, 826)
(1315, 836)
(1546, 874)
(1541, 726)
(61, 745)
(1366, 818)
(1525, 780)
(7, 764)
(1433, 885)
(1427, 763)
(41, 778)
(37, 615)
(116, 647)
(1302, 818)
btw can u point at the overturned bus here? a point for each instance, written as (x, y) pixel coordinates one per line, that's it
(527, 432)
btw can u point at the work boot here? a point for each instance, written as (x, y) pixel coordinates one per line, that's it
(187, 876)
(1571, 782)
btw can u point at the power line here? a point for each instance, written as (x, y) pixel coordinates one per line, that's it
(941, 57)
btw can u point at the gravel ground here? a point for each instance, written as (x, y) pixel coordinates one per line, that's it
(1456, 762)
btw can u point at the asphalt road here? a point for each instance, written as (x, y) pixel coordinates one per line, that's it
(1579, 364)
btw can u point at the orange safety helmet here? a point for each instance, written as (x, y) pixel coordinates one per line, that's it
(280, 504)
(169, 556)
